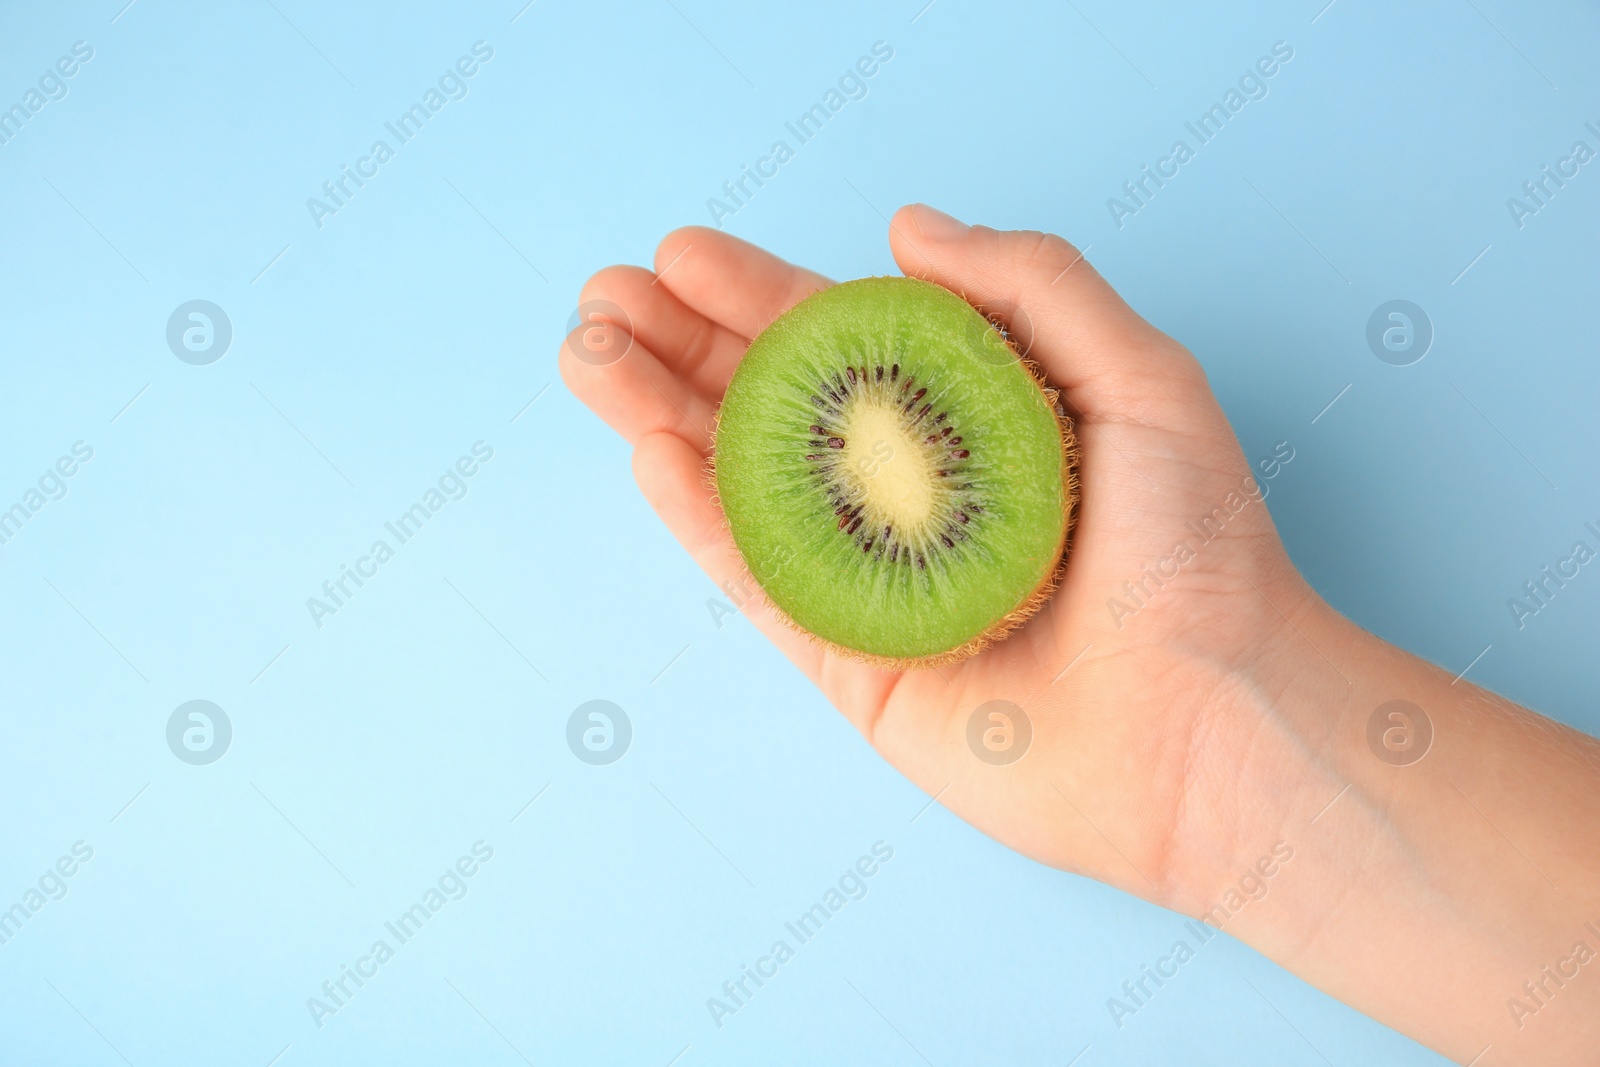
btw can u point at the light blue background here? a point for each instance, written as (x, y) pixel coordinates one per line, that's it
(423, 318)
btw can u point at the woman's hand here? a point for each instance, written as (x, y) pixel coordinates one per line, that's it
(1117, 699)
(1192, 703)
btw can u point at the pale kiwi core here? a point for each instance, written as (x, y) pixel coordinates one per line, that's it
(897, 480)
(888, 465)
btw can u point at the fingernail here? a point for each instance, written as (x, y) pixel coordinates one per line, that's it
(936, 225)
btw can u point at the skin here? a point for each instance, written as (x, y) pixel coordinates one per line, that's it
(1176, 744)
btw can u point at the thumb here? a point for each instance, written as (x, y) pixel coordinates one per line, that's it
(1058, 310)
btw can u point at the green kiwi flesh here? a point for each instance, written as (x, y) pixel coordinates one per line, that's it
(897, 479)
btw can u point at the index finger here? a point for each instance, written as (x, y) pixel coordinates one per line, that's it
(731, 282)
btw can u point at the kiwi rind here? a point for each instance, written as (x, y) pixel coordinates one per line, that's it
(1030, 604)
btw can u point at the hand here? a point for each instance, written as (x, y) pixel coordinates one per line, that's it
(1195, 707)
(1119, 699)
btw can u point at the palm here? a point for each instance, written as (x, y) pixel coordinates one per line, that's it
(1111, 718)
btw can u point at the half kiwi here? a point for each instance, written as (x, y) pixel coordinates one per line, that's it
(898, 480)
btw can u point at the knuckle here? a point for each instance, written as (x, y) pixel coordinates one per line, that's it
(609, 283)
(700, 345)
(1037, 253)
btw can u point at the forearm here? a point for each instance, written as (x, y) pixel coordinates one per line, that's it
(1423, 891)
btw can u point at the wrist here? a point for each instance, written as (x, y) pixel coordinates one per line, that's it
(1422, 868)
(1268, 753)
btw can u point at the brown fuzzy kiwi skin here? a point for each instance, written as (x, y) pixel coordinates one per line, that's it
(1012, 621)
